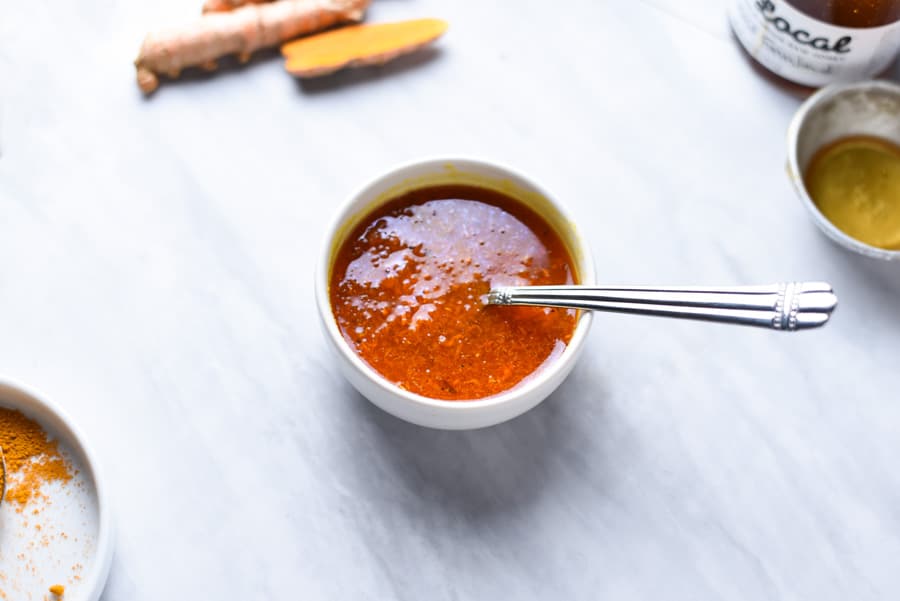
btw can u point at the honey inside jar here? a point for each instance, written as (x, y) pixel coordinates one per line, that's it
(409, 286)
(855, 183)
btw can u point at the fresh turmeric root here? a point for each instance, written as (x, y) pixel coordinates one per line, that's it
(221, 6)
(242, 32)
(359, 45)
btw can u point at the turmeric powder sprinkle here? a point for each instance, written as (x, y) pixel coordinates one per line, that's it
(32, 458)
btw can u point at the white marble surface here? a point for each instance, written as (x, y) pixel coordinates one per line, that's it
(155, 279)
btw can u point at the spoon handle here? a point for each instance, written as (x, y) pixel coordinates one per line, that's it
(789, 307)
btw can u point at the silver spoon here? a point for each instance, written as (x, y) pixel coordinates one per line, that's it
(2, 477)
(788, 307)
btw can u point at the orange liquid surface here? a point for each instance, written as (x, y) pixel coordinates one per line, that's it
(409, 287)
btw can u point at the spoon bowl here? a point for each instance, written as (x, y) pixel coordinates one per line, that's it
(2, 476)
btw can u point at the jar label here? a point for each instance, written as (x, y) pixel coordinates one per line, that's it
(808, 51)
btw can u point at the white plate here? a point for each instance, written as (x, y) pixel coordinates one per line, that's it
(69, 541)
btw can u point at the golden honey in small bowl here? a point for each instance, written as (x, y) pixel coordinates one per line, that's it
(409, 284)
(840, 143)
(855, 183)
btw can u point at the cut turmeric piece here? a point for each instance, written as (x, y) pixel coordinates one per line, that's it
(58, 590)
(359, 45)
(241, 31)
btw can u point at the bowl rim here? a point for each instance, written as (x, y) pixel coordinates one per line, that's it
(796, 173)
(95, 580)
(570, 353)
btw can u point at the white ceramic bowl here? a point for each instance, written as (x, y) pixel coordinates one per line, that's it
(450, 415)
(65, 514)
(866, 108)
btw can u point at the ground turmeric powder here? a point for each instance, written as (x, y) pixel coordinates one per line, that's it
(32, 459)
(241, 32)
(359, 45)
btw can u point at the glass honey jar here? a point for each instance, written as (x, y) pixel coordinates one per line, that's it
(818, 42)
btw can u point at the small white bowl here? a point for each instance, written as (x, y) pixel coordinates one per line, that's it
(66, 514)
(869, 108)
(418, 409)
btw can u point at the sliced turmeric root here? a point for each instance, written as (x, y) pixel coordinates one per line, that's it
(359, 45)
(241, 31)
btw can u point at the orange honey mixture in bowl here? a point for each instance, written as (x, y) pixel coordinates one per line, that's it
(408, 290)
